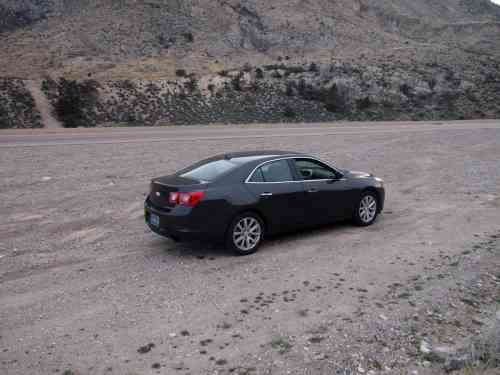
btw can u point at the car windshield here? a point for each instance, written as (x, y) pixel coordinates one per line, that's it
(209, 171)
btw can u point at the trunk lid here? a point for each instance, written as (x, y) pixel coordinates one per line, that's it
(161, 188)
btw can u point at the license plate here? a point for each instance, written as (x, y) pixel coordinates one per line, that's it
(154, 220)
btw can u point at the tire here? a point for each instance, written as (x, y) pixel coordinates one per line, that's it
(366, 209)
(245, 234)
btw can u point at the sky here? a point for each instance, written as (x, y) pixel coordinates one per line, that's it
(496, 1)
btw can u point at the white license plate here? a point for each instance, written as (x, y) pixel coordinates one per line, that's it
(154, 220)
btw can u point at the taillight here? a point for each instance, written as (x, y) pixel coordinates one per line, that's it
(173, 197)
(185, 198)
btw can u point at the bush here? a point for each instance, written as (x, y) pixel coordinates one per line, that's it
(181, 73)
(236, 83)
(313, 68)
(406, 90)
(289, 112)
(189, 37)
(76, 103)
(259, 73)
(276, 75)
(191, 85)
(363, 104)
(335, 100)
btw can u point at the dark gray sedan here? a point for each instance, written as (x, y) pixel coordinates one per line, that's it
(240, 197)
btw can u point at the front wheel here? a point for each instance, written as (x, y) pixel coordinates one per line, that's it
(366, 209)
(245, 234)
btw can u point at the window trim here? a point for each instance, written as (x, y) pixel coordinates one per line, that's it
(294, 172)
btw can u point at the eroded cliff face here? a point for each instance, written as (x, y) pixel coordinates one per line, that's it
(136, 54)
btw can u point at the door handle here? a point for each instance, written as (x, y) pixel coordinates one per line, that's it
(266, 195)
(312, 191)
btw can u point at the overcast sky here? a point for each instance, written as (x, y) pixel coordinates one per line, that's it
(496, 1)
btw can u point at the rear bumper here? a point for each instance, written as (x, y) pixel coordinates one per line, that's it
(174, 224)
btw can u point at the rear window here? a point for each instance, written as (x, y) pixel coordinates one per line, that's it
(208, 171)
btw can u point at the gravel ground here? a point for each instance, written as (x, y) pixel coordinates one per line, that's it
(86, 288)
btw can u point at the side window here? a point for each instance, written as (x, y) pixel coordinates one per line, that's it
(257, 176)
(309, 169)
(276, 171)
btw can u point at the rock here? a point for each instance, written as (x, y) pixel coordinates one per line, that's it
(456, 363)
(425, 347)
(320, 356)
(439, 354)
(146, 348)
(383, 317)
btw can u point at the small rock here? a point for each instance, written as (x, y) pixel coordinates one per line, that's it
(383, 317)
(425, 347)
(361, 370)
(46, 178)
(146, 348)
(178, 366)
(456, 363)
(320, 356)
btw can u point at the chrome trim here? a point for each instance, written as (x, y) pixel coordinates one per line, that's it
(247, 180)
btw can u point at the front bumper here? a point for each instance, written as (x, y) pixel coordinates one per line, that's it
(381, 198)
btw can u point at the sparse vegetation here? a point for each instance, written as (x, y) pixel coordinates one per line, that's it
(281, 344)
(181, 73)
(259, 73)
(188, 37)
(289, 112)
(76, 102)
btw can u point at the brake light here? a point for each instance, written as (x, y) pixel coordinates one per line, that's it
(185, 198)
(173, 197)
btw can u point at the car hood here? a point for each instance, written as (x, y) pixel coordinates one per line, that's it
(357, 174)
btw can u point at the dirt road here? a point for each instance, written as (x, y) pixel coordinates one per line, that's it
(86, 287)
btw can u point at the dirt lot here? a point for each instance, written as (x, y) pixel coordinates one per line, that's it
(86, 288)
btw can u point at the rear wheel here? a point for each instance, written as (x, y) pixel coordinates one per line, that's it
(245, 234)
(366, 209)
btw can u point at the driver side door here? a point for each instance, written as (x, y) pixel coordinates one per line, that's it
(327, 192)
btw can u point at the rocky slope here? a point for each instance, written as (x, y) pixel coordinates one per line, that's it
(113, 42)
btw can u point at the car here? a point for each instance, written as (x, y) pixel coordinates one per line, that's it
(240, 198)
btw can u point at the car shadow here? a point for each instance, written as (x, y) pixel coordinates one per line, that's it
(198, 249)
(309, 232)
(202, 250)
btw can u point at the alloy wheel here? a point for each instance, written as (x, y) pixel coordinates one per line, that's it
(367, 208)
(247, 233)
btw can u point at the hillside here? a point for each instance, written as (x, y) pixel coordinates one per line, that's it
(151, 40)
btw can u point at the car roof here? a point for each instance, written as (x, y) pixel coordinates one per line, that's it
(260, 155)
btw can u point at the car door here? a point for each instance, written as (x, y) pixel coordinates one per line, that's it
(327, 192)
(279, 195)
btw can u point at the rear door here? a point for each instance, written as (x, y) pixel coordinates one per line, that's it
(327, 193)
(280, 195)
